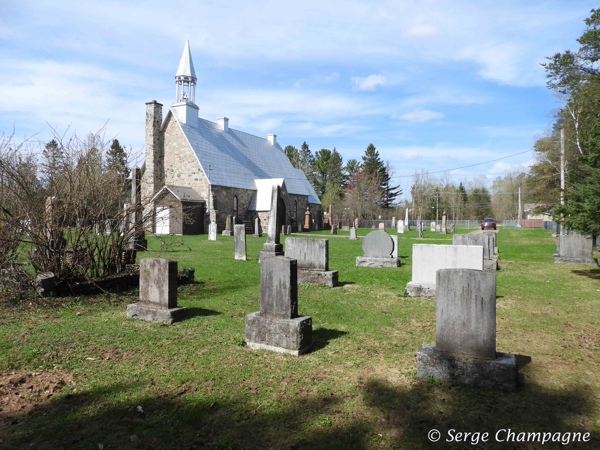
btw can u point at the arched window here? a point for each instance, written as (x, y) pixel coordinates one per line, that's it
(295, 209)
(235, 206)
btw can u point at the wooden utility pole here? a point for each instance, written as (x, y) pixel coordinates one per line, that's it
(562, 172)
(437, 207)
(520, 214)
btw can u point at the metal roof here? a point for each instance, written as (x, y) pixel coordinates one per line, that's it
(186, 65)
(236, 159)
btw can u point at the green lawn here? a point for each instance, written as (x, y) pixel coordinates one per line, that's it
(199, 387)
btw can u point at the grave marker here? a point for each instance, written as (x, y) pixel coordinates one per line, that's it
(379, 249)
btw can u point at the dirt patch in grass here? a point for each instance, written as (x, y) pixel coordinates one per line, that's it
(22, 391)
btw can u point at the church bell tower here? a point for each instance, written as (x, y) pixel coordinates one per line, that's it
(185, 89)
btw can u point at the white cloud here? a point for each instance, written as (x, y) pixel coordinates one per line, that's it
(369, 83)
(421, 115)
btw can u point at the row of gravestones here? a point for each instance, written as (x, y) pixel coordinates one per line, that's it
(465, 349)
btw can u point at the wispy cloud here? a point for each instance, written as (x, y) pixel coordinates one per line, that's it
(421, 115)
(368, 83)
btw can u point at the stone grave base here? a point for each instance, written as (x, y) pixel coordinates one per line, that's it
(227, 233)
(291, 336)
(369, 261)
(326, 277)
(490, 264)
(562, 260)
(501, 373)
(264, 255)
(496, 251)
(149, 314)
(420, 290)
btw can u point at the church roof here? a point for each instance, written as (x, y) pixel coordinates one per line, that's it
(238, 159)
(181, 193)
(186, 65)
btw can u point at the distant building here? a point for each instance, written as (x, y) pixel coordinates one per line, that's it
(210, 170)
(529, 212)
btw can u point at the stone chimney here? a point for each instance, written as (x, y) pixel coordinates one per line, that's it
(272, 138)
(223, 122)
(155, 149)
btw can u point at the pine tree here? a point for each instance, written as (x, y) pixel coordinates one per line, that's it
(390, 192)
(116, 159)
(372, 163)
(307, 163)
(293, 155)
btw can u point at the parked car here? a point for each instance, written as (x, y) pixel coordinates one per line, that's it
(488, 223)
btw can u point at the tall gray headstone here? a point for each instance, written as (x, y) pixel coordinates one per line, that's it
(432, 226)
(465, 347)
(257, 228)
(277, 326)
(353, 234)
(239, 233)
(273, 246)
(158, 292)
(490, 261)
(393, 222)
(228, 231)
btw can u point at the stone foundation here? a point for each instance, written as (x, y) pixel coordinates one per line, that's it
(420, 290)
(291, 336)
(325, 277)
(490, 264)
(370, 261)
(557, 259)
(150, 314)
(500, 373)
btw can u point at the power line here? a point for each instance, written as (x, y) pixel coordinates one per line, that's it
(464, 167)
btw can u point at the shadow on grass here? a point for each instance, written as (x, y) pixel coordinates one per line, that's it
(322, 336)
(395, 417)
(200, 312)
(594, 274)
(344, 283)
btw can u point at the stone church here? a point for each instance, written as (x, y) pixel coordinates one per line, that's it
(207, 170)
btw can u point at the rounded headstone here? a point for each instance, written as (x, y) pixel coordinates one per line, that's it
(378, 244)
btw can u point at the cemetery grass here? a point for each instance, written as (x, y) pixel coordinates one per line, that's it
(75, 372)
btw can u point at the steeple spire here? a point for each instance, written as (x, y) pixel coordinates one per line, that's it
(185, 78)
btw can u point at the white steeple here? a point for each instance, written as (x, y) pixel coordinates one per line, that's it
(185, 78)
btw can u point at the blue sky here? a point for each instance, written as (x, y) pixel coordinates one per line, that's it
(432, 84)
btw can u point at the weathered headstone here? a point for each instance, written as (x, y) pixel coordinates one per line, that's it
(443, 228)
(356, 223)
(382, 226)
(289, 230)
(438, 228)
(353, 234)
(421, 229)
(277, 326)
(299, 227)
(307, 220)
(574, 248)
(345, 228)
(273, 246)
(465, 348)
(373, 227)
(406, 222)
(158, 292)
(400, 227)
(239, 232)
(427, 259)
(312, 256)
(453, 228)
(378, 248)
(393, 222)
(257, 228)
(432, 225)
(228, 231)
(334, 229)
(490, 261)
(212, 231)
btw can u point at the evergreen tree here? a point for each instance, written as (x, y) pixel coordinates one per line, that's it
(293, 155)
(481, 203)
(116, 159)
(306, 163)
(352, 166)
(582, 207)
(390, 192)
(329, 173)
(372, 163)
